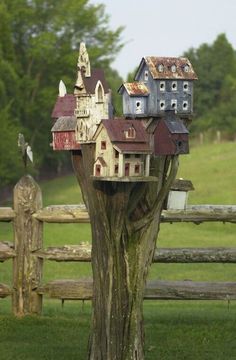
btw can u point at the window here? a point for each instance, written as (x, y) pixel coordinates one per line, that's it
(127, 156)
(103, 145)
(186, 68)
(99, 93)
(185, 86)
(116, 154)
(185, 105)
(130, 133)
(173, 68)
(138, 104)
(174, 86)
(162, 105)
(137, 169)
(146, 75)
(173, 104)
(160, 67)
(137, 155)
(162, 85)
(116, 169)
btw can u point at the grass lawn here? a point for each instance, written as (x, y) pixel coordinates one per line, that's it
(174, 330)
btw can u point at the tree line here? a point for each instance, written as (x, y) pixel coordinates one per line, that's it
(39, 42)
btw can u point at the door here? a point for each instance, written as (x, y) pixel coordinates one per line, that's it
(98, 170)
(127, 166)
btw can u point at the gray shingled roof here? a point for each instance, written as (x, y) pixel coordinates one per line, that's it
(65, 123)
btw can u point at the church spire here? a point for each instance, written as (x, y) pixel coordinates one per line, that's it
(83, 60)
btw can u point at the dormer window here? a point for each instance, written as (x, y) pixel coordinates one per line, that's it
(130, 133)
(162, 86)
(146, 75)
(186, 68)
(173, 68)
(174, 86)
(99, 92)
(160, 68)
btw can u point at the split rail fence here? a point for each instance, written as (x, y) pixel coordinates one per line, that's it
(28, 253)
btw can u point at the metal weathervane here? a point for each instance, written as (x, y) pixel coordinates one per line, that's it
(25, 149)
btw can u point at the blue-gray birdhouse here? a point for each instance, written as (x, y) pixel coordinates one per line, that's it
(161, 84)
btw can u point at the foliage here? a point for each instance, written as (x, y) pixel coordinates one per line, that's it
(39, 42)
(214, 92)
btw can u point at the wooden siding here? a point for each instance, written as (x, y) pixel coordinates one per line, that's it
(65, 140)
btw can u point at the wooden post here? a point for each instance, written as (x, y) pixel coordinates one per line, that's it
(27, 269)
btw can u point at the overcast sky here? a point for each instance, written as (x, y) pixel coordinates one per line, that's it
(167, 28)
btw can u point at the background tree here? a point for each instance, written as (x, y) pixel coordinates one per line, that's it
(214, 96)
(39, 40)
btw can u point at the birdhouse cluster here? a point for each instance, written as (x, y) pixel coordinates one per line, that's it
(156, 108)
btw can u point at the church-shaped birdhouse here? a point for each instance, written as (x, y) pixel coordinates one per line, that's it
(93, 98)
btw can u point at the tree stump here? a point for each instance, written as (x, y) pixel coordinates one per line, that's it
(125, 220)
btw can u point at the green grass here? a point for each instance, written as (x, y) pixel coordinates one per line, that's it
(174, 330)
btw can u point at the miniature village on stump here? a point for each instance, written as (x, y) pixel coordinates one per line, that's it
(157, 106)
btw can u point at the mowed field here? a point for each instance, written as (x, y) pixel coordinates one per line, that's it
(174, 330)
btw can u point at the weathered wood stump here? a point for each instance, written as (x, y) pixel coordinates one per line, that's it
(125, 221)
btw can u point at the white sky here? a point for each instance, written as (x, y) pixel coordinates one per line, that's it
(167, 28)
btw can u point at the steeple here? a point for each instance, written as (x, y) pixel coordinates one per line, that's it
(83, 68)
(83, 60)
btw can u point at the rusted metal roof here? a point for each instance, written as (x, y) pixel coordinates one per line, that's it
(91, 82)
(134, 89)
(168, 68)
(65, 123)
(64, 106)
(116, 130)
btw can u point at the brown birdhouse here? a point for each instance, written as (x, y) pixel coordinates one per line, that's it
(170, 136)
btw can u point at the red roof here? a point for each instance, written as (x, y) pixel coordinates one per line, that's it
(116, 130)
(91, 82)
(65, 106)
(138, 148)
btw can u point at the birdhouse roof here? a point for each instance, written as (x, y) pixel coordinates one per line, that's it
(168, 68)
(65, 123)
(116, 130)
(91, 82)
(134, 89)
(133, 148)
(64, 106)
(182, 185)
(175, 126)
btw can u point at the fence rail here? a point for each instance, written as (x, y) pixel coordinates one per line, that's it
(28, 253)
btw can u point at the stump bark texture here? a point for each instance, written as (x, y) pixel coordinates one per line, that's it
(125, 220)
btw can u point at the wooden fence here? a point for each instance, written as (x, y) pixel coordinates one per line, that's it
(28, 253)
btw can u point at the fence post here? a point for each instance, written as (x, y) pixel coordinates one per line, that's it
(28, 233)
